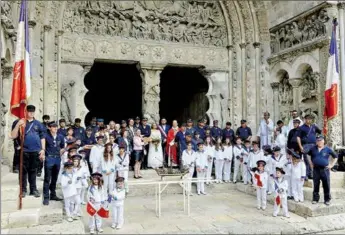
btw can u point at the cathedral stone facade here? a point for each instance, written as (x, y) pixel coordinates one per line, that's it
(256, 56)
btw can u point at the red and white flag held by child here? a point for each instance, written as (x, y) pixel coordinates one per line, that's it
(21, 86)
(332, 81)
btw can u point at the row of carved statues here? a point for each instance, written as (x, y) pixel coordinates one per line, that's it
(167, 24)
(306, 29)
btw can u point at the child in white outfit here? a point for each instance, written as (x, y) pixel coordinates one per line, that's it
(77, 178)
(298, 175)
(238, 155)
(108, 168)
(69, 190)
(117, 203)
(85, 176)
(97, 197)
(209, 150)
(281, 187)
(201, 168)
(122, 164)
(245, 155)
(219, 162)
(188, 162)
(96, 154)
(260, 181)
(227, 154)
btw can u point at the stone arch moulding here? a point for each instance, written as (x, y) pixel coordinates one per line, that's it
(302, 63)
(98, 41)
(281, 66)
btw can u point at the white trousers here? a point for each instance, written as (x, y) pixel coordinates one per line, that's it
(227, 170)
(246, 174)
(288, 179)
(297, 189)
(201, 181)
(265, 140)
(96, 219)
(271, 187)
(117, 215)
(72, 205)
(237, 169)
(82, 194)
(108, 182)
(209, 171)
(219, 164)
(283, 204)
(190, 177)
(261, 197)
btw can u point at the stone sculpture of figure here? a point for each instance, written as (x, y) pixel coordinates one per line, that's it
(123, 27)
(178, 32)
(216, 36)
(136, 28)
(112, 28)
(323, 18)
(289, 38)
(193, 12)
(155, 30)
(101, 24)
(66, 101)
(297, 34)
(282, 38)
(89, 23)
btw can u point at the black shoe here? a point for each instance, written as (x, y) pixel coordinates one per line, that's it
(327, 203)
(46, 202)
(310, 177)
(39, 174)
(314, 202)
(35, 193)
(23, 194)
(16, 171)
(55, 198)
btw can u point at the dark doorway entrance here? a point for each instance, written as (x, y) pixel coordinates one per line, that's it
(183, 94)
(115, 91)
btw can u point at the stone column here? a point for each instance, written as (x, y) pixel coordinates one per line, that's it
(257, 81)
(80, 110)
(46, 28)
(295, 91)
(244, 80)
(341, 9)
(151, 93)
(58, 75)
(230, 84)
(275, 86)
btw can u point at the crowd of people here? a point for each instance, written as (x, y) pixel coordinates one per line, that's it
(277, 160)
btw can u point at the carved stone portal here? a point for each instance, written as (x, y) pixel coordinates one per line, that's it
(193, 22)
(285, 97)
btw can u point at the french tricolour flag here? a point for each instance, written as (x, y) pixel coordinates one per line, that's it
(21, 87)
(332, 81)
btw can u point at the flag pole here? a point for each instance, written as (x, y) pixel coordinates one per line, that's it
(22, 135)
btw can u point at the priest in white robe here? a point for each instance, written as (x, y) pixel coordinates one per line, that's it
(266, 130)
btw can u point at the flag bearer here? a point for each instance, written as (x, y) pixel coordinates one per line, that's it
(281, 187)
(260, 181)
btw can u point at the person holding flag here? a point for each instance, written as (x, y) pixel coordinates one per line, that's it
(280, 199)
(260, 177)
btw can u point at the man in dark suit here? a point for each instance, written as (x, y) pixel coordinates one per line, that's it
(164, 128)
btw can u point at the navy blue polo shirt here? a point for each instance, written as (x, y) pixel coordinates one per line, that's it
(308, 133)
(244, 132)
(89, 140)
(321, 158)
(201, 131)
(34, 132)
(145, 131)
(62, 131)
(216, 132)
(190, 131)
(53, 146)
(228, 133)
(79, 133)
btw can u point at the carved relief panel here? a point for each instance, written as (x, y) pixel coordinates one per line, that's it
(192, 22)
(285, 97)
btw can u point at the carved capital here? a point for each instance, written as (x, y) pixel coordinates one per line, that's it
(6, 71)
(47, 28)
(275, 86)
(59, 32)
(256, 44)
(295, 82)
(341, 5)
(243, 45)
(32, 23)
(230, 47)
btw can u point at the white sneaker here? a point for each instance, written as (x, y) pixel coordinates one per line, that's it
(203, 193)
(274, 215)
(83, 203)
(258, 207)
(113, 226)
(191, 194)
(70, 219)
(263, 208)
(76, 217)
(92, 231)
(269, 193)
(118, 226)
(287, 216)
(198, 193)
(100, 230)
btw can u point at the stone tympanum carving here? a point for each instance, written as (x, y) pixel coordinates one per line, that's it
(285, 91)
(302, 30)
(309, 85)
(196, 22)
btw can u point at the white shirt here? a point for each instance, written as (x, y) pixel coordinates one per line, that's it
(219, 154)
(118, 197)
(263, 176)
(188, 158)
(201, 160)
(254, 157)
(265, 129)
(298, 171)
(96, 155)
(97, 195)
(275, 162)
(68, 189)
(108, 166)
(122, 164)
(228, 152)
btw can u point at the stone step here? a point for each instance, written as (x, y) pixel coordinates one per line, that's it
(305, 209)
(5, 170)
(28, 202)
(336, 193)
(75, 227)
(42, 215)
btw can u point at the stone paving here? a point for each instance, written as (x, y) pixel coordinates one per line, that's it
(224, 213)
